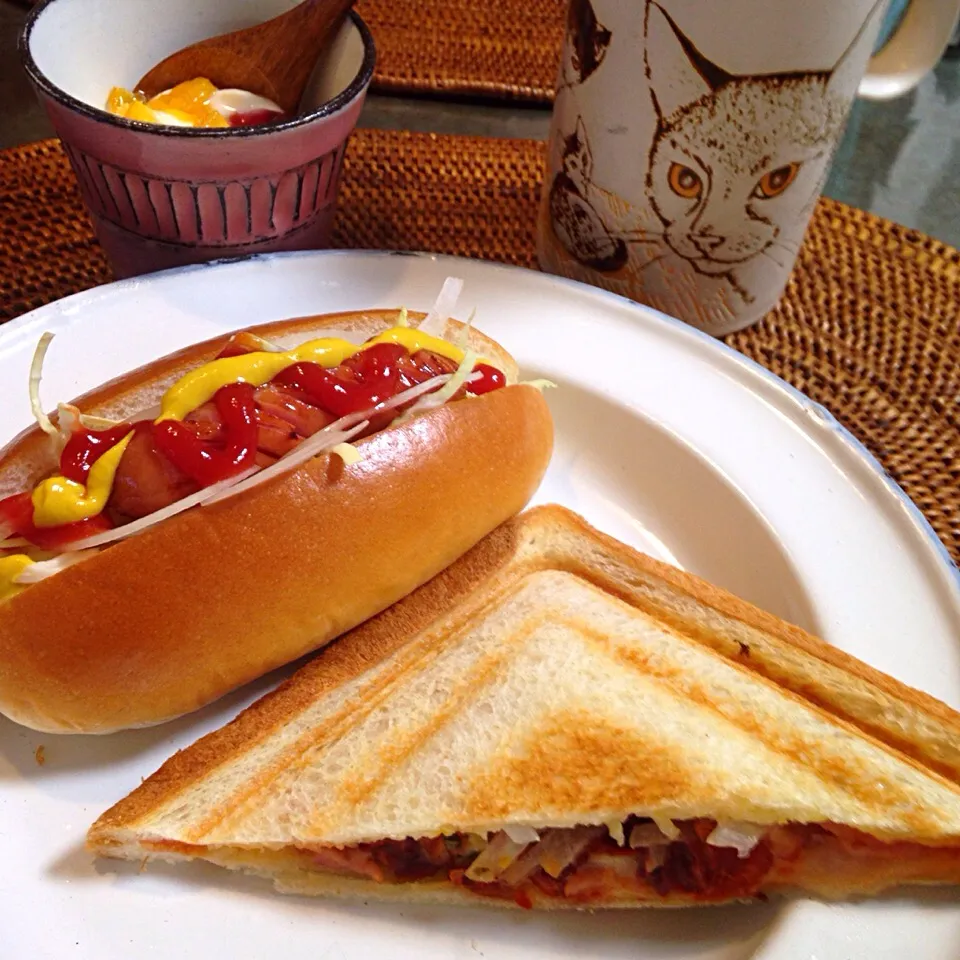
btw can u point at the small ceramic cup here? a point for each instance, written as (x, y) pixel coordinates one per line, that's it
(165, 196)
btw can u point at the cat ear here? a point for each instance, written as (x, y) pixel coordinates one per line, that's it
(588, 38)
(678, 73)
(583, 150)
(846, 74)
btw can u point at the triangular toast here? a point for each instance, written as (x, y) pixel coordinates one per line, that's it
(666, 742)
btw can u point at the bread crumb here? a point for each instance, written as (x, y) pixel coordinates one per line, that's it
(40, 756)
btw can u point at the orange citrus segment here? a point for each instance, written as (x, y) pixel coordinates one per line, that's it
(139, 111)
(188, 102)
(184, 95)
(119, 99)
(192, 97)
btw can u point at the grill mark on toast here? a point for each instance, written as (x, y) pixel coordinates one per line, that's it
(291, 758)
(605, 767)
(851, 777)
(355, 791)
(412, 658)
(765, 652)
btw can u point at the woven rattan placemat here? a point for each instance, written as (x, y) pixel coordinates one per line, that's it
(510, 48)
(869, 326)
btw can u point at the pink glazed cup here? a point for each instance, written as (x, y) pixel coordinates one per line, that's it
(165, 196)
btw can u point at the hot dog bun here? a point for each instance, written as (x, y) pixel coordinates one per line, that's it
(172, 618)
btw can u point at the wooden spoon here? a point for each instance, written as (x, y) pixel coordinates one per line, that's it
(273, 59)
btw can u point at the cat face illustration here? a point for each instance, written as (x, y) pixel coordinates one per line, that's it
(736, 160)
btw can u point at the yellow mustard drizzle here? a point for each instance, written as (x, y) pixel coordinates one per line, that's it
(10, 568)
(198, 386)
(58, 500)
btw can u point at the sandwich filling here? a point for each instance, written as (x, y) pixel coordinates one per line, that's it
(690, 861)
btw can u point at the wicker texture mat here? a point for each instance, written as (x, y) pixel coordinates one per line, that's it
(503, 49)
(869, 327)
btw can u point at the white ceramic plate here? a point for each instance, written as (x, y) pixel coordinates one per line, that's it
(665, 439)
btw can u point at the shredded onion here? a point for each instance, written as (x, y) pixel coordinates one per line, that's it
(265, 345)
(143, 523)
(743, 837)
(615, 829)
(331, 436)
(398, 400)
(76, 418)
(47, 568)
(36, 372)
(648, 835)
(559, 848)
(464, 374)
(68, 420)
(321, 442)
(435, 322)
(12, 542)
(463, 337)
(667, 827)
(94, 422)
(402, 318)
(499, 853)
(521, 834)
(522, 867)
(539, 384)
(347, 452)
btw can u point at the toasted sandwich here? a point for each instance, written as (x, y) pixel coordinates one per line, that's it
(558, 721)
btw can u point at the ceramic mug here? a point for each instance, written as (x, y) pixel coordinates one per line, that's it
(690, 140)
(165, 196)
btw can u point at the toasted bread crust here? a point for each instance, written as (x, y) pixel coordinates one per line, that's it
(918, 729)
(822, 880)
(168, 620)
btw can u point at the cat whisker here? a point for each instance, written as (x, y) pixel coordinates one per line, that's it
(793, 251)
(770, 256)
(792, 245)
(652, 261)
(654, 238)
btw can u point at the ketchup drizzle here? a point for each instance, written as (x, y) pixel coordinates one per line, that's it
(200, 460)
(372, 375)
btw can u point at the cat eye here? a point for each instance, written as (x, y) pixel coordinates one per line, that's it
(772, 184)
(684, 182)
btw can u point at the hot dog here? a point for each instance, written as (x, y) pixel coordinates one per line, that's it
(227, 509)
